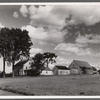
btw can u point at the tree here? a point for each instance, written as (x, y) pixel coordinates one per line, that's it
(83, 70)
(94, 69)
(49, 58)
(19, 45)
(4, 45)
(37, 64)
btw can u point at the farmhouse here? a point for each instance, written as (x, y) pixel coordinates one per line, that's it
(61, 70)
(47, 71)
(80, 67)
(21, 67)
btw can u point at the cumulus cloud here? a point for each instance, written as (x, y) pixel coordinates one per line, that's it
(34, 51)
(15, 14)
(62, 61)
(74, 48)
(56, 15)
(1, 26)
(48, 35)
(43, 16)
(91, 38)
(87, 14)
(24, 11)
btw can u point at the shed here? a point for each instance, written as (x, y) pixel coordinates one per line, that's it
(61, 70)
(47, 71)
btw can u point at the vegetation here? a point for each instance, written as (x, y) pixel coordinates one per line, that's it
(40, 60)
(14, 43)
(4, 45)
(69, 85)
(37, 64)
(49, 58)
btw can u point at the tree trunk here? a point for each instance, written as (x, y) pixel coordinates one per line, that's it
(3, 67)
(12, 68)
(47, 63)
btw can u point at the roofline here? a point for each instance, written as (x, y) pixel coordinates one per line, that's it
(82, 61)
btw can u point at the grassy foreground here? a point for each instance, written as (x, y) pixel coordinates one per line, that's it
(53, 85)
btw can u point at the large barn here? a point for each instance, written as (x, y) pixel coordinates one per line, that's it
(80, 67)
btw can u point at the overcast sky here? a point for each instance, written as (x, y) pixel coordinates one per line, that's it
(45, 25)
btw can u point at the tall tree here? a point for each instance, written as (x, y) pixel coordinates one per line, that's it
(49, 58)
(20, 44)
(37, 64)
(4, 45)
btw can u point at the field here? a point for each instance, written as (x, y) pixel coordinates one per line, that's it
(53, 85)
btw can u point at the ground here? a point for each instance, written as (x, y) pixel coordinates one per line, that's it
(53, 85)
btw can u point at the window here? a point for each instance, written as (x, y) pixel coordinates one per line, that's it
(61, 72)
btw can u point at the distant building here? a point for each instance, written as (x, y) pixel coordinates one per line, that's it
(21, 67)
(80, 67)
(47, 71)
(60, 70)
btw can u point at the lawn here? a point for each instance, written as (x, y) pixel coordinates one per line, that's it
(53, 85)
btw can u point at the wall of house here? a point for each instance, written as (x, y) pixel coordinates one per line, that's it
(44, 72)
(55, 71)
(74, 69)
(89, 71)
(63, 72)
(21, 72)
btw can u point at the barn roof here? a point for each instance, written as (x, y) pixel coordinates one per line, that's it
(62, 67)
(82, 63)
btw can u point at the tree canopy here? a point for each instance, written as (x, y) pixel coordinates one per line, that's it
(40, 60)
(16, 43)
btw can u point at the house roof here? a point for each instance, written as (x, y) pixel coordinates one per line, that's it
(62, 67)
(82, 63)
(20, 63)
(47, 69)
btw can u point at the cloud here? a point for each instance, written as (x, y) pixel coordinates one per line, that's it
(34, 51)
(56, 15)
(87, 14)
(43, 16)
(45, 35)
(62, 61)
(35, 33)
(15, 14)
(1, 26)
(77, 49)
(91, 38)
(24, 11)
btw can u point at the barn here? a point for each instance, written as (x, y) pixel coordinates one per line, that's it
(80, 67)
(61, 70)
(47, 71)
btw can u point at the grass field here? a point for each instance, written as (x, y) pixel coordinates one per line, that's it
(53, 85)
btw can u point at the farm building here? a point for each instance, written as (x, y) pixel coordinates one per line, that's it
(47, 71)
(61, 70)
(80, 67)
(21, 67)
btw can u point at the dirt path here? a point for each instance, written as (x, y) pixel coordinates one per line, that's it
(6, 93)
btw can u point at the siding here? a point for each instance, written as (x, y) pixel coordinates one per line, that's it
(44, 72)
(55, 71)
(63, 72)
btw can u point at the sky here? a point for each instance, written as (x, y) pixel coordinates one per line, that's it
(71, 31)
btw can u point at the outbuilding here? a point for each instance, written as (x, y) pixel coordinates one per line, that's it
(61, 70)
(47, 71)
